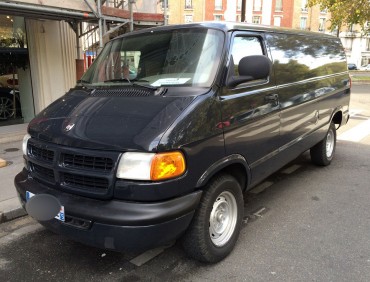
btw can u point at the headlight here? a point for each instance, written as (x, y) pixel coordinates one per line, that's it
(24, 143)
(150, 166)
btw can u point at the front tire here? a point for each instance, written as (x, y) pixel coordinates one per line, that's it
(323, 152)
(216, 225)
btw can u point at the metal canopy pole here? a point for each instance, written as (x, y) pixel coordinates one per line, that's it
(100, 26)
(165, 3)
(130, 3)
(242, 19)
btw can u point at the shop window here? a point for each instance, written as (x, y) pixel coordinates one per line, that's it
(16, 100)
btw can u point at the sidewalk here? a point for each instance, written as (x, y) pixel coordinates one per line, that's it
(10, 206)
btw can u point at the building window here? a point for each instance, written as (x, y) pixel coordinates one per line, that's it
(324, 11)
(303, 23)
(256, 19)
(163, 4)
(277, 21)
(279, 5)
(239, 5)
(218, 4)
(188, 18)
(257, 5)
(188, 4)
(304, 6)
(218, 17)
(367, 44)
(322, 24)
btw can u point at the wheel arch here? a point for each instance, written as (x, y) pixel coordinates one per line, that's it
(337, 117)
(235, 165)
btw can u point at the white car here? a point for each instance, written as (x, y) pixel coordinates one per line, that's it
(365, 67)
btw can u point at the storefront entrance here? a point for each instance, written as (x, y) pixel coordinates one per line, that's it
(16, 97)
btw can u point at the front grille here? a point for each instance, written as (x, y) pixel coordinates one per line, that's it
(84, 172)
(87, 162)
(40, 153)
(43, 173)
(85, 182)
(123, 92)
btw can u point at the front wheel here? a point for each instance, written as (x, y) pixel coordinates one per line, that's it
(217, 221)
(323, 152)
(6, 107)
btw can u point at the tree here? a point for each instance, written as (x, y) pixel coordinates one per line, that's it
(345, 12)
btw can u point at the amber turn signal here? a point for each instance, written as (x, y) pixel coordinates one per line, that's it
(167, 165)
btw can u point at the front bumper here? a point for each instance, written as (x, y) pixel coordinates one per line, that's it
(115, 224)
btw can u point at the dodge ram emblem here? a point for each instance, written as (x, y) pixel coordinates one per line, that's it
(69, 126)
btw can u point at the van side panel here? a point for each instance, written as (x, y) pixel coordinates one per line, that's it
(312, 81)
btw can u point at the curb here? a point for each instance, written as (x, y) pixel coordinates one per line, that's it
(12, 214)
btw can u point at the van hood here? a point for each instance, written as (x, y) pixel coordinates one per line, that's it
(80, 119)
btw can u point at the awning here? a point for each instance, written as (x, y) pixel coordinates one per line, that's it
(44, 12)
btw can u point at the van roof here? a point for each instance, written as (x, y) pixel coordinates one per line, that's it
(231, 26)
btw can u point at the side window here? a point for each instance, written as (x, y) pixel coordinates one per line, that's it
(245, 46)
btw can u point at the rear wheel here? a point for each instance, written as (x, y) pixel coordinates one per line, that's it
(323, 152)
(217, 221)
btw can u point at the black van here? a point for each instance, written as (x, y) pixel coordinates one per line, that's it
(170, 126)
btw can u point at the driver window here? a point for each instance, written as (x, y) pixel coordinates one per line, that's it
(245, 46)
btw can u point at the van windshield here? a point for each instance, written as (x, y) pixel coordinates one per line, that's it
(179, 57)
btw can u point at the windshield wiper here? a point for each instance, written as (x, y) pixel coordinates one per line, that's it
(133, 82)
(117, 80)
(83, 81)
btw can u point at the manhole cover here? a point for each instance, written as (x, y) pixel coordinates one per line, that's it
(11, 150)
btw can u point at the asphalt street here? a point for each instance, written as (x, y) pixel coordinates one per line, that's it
(304, 223)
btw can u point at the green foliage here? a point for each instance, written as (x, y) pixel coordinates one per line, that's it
(346, 12)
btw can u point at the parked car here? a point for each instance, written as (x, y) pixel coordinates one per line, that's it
(365, 67)
(131, 165)
(352, 66)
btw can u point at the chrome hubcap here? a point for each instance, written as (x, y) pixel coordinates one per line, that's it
(223, 218)
(330, 144)
(6, 108)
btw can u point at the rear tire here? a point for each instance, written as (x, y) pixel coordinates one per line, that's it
(323, 152)
(216, 224)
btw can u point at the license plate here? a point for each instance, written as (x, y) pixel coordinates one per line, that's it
(60, 216)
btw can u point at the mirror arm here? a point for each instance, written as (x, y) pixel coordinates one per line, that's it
(235, 80)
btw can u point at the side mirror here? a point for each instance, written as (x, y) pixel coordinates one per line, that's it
(251, 68)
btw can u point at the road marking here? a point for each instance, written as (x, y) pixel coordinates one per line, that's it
(149, 255)
(356, 133)
(258, 189)
(291, 169)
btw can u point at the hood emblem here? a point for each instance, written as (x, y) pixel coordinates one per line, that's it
(69, 127)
